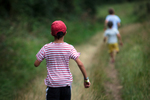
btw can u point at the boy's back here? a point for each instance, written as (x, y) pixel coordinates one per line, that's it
(115, 19)
(111, 34)
(57, 56)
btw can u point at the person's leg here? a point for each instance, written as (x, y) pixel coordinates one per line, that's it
(111, 52)
(112, 57)
(116, 48)
(52, 93)
(65, 93)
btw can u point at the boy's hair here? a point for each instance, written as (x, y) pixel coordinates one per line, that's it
(58, 27)
(111, 11)
(59, 35)
(110, 24)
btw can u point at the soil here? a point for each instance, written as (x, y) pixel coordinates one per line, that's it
(113, 86)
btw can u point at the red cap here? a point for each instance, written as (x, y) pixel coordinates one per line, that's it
(58, 26)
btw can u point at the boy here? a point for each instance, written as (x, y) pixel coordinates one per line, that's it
(57, 55)
(114, 18)
(113, 36)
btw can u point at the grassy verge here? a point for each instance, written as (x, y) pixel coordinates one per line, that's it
(99, 76)
(133, 60)
(133, 63)
(20, 41)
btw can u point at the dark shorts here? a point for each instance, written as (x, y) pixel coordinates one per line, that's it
(58, 93)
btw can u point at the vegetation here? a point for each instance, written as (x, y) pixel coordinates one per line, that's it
(133, 63)
(25, 29)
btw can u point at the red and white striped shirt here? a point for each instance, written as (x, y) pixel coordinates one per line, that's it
(57, 57)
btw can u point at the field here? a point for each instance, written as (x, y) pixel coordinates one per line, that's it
(20, 42)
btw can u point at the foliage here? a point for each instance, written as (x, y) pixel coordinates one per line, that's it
(20, 41)
(25, 28)
(50, 8)
(44, 8)
(142, 11)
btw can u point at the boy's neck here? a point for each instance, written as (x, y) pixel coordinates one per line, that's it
(112, 14)
(61, 40)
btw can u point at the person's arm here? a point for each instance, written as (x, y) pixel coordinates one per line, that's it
(36, 63)
(105, 24)
(82, 68)
(120, 39)
(119, 24)
(104, 39)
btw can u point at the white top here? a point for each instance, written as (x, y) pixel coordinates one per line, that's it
(57, 57)
(111, 34)
(115, 19)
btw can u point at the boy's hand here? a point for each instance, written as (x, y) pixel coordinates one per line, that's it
(104, 29)
(87, 83)
(121, 43)
(104, 40)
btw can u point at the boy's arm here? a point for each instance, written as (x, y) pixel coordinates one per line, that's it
(104, 39)
(119, 24)
(105, 24)
(82, 68)
(120, 39)
(36, 63)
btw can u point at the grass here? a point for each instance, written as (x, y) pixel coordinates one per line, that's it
(99, 76)
(20, 41)
(133, 64)
(133, 60)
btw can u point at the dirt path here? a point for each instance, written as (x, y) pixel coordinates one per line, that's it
(88, 51)
(113, 86)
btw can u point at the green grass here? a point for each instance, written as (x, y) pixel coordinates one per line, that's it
(20, 41)
(99, 76)
(133, 64)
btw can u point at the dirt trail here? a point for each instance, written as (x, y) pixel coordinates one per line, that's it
(88, 51)
(113, 86)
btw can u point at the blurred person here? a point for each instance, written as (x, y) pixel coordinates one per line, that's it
(112, 35)
(57, 55)
(112, 17)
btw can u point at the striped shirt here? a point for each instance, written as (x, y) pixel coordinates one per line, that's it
(57, 57)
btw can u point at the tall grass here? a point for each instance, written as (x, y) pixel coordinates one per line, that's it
(19, 43)
(21, 39)
(133, 63)
(99, 76)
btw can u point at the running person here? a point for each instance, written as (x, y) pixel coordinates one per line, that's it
(114, 18)
(112, 35)
(57, 55)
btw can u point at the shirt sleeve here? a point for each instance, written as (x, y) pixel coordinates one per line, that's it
(107, 17)
(41, 54)
(74, 54)
(117, 32)
(119, 20)
(105, 34)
